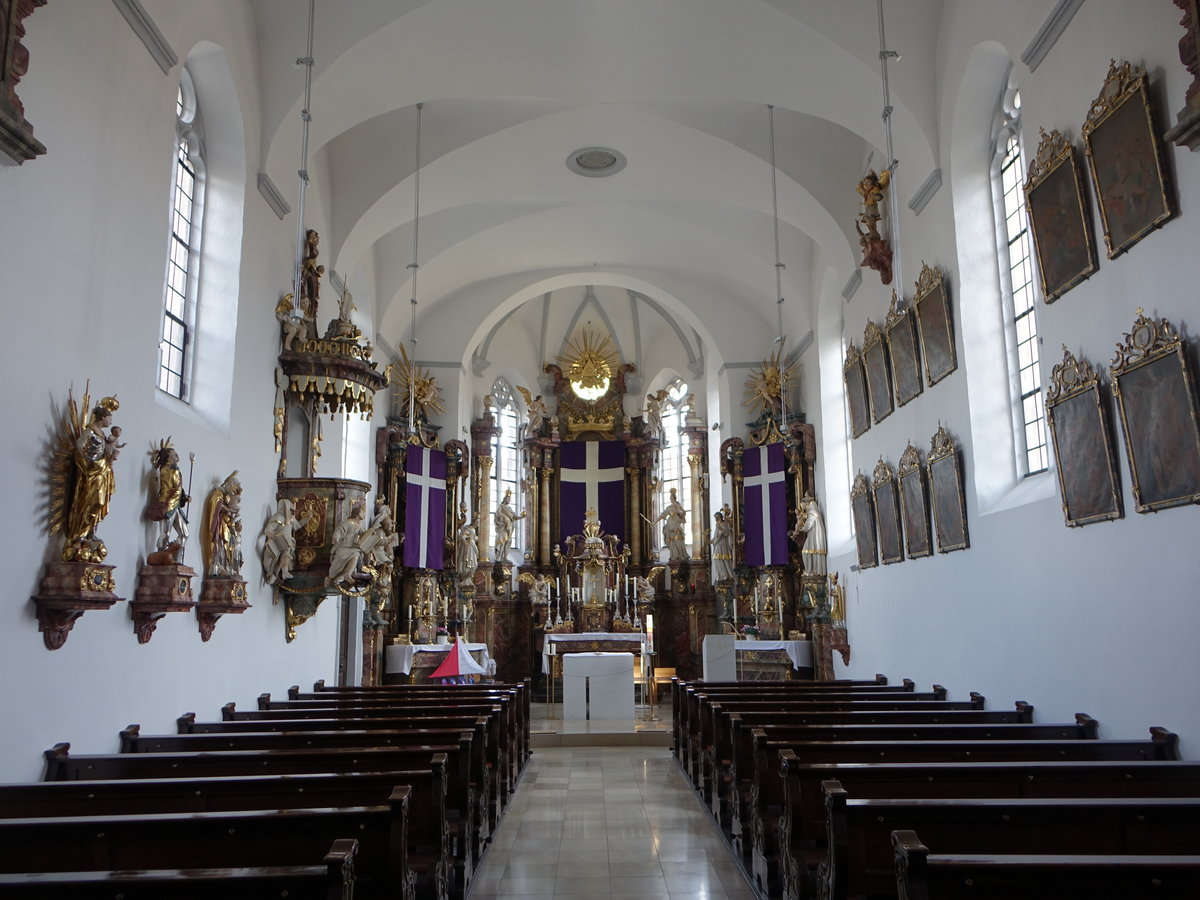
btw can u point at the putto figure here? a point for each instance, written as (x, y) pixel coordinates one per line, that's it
(168, 506)
(82, 477)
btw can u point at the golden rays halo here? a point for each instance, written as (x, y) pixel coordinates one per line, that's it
(412, 383)
(767, 383)
(589, 362)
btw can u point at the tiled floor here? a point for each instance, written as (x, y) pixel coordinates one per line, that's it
(617, 822)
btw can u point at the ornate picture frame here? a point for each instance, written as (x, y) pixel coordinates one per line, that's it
(932, 308)
(1083, 443)
(1156, 397)
(946, 488)
(887, 513)
(1058, 216)
(914, 504)
(904, 352)
(879, 376)
(855, 376)
(864, 522)
(1125, 159)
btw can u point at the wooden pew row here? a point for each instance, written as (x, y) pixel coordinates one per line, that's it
(861, 861)
(333, 879)
(685, 698)
(731, 748)
(504, 747)
(734, 781)
(803, 827)
(761, 851)
(922, 875)
(523, 689)
(465, 830)
(245, 838)
(701, 739)
(679, 688)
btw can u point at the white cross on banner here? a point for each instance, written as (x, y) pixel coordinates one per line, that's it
(592, 476)
(425, 508)
(765, 492)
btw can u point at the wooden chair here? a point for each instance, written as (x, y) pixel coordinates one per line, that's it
(662, 675)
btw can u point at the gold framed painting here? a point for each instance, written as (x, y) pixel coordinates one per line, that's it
(1156, 396)
(879, 376)
(887, 513)
(914, 504)
(1058, 216)
(855, 376)
(864, 523)
(1125, 159)
(901, 330)
(1083, 444)
(946, 487)
(932, 307)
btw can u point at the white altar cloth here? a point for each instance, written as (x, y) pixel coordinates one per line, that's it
(562, 637)
(399, 657)
(598, 686)
(799, 652)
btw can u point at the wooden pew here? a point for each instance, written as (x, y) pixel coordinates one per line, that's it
(429, 852)
(246, 838)
(333, 879)
(803, 828)
(921, 875)
(761, 851)
(467, 832)
(861, 858)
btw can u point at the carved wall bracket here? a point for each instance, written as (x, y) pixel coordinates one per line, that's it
(68, 590)
(220, 597)
(160, 590)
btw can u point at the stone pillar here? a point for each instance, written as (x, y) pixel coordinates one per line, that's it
(635, 513)
(699, 518)
(483, 435)
(544, 541)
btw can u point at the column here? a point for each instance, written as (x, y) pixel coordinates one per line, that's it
(699, 518)
(483, 515)
(544, 516)
(635, 513)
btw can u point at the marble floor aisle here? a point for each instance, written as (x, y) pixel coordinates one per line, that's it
(618, 822)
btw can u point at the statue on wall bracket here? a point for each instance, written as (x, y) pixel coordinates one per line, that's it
(82, 482)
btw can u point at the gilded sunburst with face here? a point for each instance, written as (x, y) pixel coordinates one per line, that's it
(588, 363)
(766, 385)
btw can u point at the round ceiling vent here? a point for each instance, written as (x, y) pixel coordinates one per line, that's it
(596, 162)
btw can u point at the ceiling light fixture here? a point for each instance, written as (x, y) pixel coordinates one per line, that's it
(596, 162)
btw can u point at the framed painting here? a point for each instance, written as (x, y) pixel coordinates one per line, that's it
(1083, 444)
(1156, 396)
(864, 523)
(879, 378)
(932, 308)
(856, 391)
(1125, 158)
(914, 504)
(946, 487)
(1058, 216)
(901, 330)
(887, 513)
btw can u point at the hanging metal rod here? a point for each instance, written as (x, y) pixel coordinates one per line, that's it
(412, 340)
(305, 119)
(893, 163)
(779, 267)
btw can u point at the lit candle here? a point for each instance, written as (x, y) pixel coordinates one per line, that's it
(558, 586)
(649, 633)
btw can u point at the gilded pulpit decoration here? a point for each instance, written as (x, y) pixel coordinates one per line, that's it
(16, 134)
(82, 482)
(164, 582)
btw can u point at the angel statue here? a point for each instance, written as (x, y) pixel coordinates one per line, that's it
(539, 588)
(654, 411)
(871, 189)
(82, 478)
(536, 409)
(170, 500)
(224, 531)
(416, 389)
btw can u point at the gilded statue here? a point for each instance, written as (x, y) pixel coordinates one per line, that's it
(82, 478)
(224, 529)
(536, 410)
(168, 506)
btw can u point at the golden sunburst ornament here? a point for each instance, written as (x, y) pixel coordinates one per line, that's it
(766, 385)
(416, 386)
(589, 363)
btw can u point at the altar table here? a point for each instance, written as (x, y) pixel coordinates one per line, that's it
(598, 686)
(419, 660)
(771, 660)
(568, 642)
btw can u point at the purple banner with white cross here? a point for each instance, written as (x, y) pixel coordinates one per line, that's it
(766, 505)
(591, 476)
(424, 508)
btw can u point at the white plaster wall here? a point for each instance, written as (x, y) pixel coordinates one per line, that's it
(1099, 619)
(84, 247)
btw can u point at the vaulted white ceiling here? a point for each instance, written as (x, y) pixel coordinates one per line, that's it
(511, 89)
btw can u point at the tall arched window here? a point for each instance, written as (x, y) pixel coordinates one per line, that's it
(183, 257)
(506, 454)
(674, 471)
(1017, 285)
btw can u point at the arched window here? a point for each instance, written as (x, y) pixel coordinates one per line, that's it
(674, 471)
(183, 257)
(506, 455)
(1018, 286)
